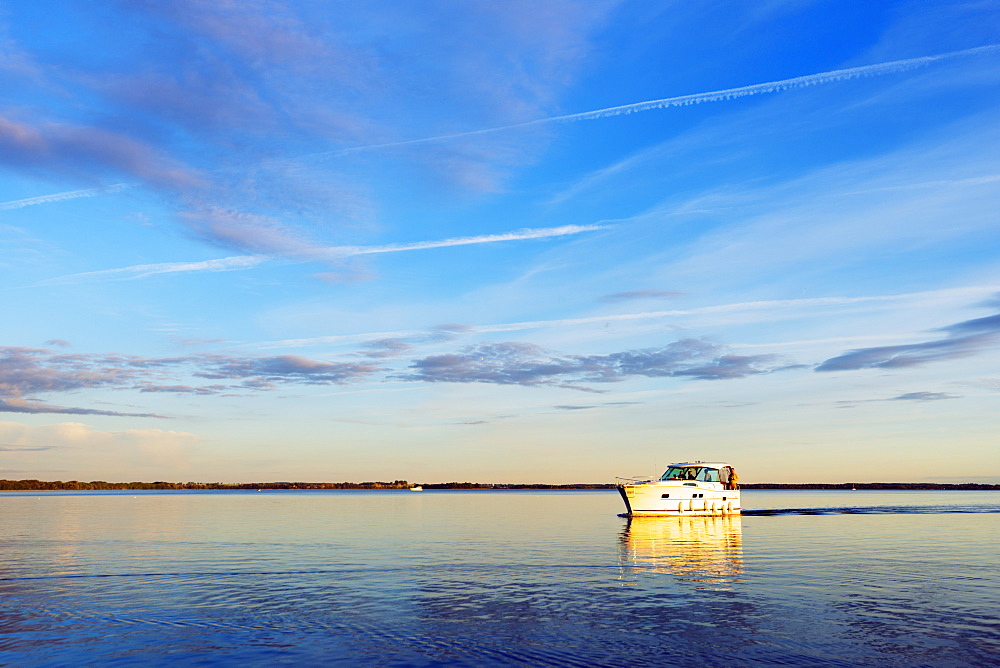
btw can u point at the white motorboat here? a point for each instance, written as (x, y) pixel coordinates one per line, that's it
(416, 488)
(689, 488)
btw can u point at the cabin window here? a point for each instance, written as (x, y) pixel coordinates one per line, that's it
(664, 496)
(682, 473)
(702, 473)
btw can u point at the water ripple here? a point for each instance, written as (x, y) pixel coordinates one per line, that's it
(872, 510)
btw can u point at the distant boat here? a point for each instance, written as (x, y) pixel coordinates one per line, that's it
(684, 489)
(416, 488)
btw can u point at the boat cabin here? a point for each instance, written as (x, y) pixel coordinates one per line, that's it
(684, 489)
(703, 471)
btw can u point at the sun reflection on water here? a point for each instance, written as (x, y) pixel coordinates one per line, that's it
(707, 551)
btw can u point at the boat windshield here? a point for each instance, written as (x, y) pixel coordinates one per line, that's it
(702, 473)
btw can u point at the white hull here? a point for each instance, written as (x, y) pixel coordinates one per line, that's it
(674, 498)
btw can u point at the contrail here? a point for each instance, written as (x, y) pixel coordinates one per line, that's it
(144, 270)
(58, 197)
(518, 235)
(878, 69)
(238, 262)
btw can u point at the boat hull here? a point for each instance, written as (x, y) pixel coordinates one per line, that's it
(679, 499)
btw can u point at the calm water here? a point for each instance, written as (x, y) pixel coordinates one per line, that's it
(492, 578)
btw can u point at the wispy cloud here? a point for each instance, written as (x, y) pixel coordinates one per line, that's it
(768, 308)
(59, 197)
(971, 181)
(28, 372)
(40, 408)
(517, 235)
(280, 369)
(633, 295)
(764, 306)
(204, 119)
(240, 262)
(924, 396)
(81, 150)
(76, 445)
(513, 363)
(964, 339)
(877, 69)
(143, 270)
(25, 448)
(384, 348)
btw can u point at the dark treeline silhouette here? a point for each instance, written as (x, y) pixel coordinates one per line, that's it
(101, 485)
(529, 485)
(58, 485)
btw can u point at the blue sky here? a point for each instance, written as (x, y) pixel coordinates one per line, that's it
(505, 242)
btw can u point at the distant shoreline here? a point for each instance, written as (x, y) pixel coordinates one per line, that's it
(58, 485)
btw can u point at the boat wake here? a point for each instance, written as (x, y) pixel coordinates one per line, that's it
(871, 510)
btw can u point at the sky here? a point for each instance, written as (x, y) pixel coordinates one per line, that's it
(546, 241)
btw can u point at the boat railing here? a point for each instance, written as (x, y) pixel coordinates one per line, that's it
(635, 480)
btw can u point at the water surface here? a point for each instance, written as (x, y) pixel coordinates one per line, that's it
(497, 577)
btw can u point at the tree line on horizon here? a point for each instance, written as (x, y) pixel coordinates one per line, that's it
(97, 485)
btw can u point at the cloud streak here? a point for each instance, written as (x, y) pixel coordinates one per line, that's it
(513, 363)
(84, 150)
(39, 408)
(59, 197)
(234, 263)
(240, 262)
(924, 396)
(738, 307)
(517, 235)
(874, 70)
(963, 339)
(635, 295)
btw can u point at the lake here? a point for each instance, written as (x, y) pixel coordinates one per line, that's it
(551, 578)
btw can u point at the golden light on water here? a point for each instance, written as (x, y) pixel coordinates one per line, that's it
(705, 550)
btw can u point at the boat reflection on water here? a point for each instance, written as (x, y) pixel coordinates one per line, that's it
(706, 551)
